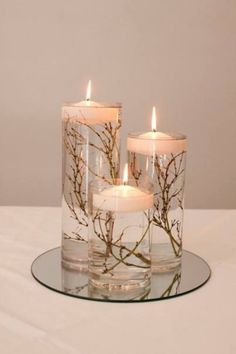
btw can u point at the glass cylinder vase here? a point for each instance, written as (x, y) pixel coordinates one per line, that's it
(162, 158)
(91, 149)
(119, 235)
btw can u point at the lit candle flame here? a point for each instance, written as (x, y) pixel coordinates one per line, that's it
(88, 95)
(125, 174)
(154, 119)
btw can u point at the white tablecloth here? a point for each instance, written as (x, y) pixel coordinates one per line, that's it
(34, 319)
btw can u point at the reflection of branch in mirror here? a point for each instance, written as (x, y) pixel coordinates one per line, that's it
(166, 284)
(77, 290)
(173, 287)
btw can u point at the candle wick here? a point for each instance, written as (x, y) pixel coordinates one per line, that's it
(154, 130)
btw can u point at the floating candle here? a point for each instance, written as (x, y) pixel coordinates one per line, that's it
(154, 142)
(123, 198)
(90, 112)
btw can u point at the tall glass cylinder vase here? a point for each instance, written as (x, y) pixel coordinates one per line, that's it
(161, 158)
(91, 150)
(119, 236)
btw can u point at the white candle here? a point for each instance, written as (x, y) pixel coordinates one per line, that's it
(154, 142)
(123, 198)
(90, 112)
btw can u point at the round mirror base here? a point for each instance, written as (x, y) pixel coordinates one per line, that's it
(48, 270)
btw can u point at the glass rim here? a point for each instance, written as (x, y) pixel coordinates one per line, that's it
(104, 105)
(172, 136)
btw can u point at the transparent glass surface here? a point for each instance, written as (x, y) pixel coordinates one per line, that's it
(90, 151)
(48, 270)
(119, 235)
(166, 170)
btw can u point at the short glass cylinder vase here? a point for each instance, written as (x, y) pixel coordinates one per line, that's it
(119, 235)
(91, 149)
(161, 158)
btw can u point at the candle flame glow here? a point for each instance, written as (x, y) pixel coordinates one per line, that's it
(125, 174)
(154, 119)
(88, 95)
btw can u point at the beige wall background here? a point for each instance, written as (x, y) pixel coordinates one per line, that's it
(179, 55)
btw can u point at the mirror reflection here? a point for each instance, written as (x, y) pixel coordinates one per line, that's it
(49, 271)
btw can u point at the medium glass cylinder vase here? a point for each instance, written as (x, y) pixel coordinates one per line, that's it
(162, 160)
(119, 235)
(91, 150)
